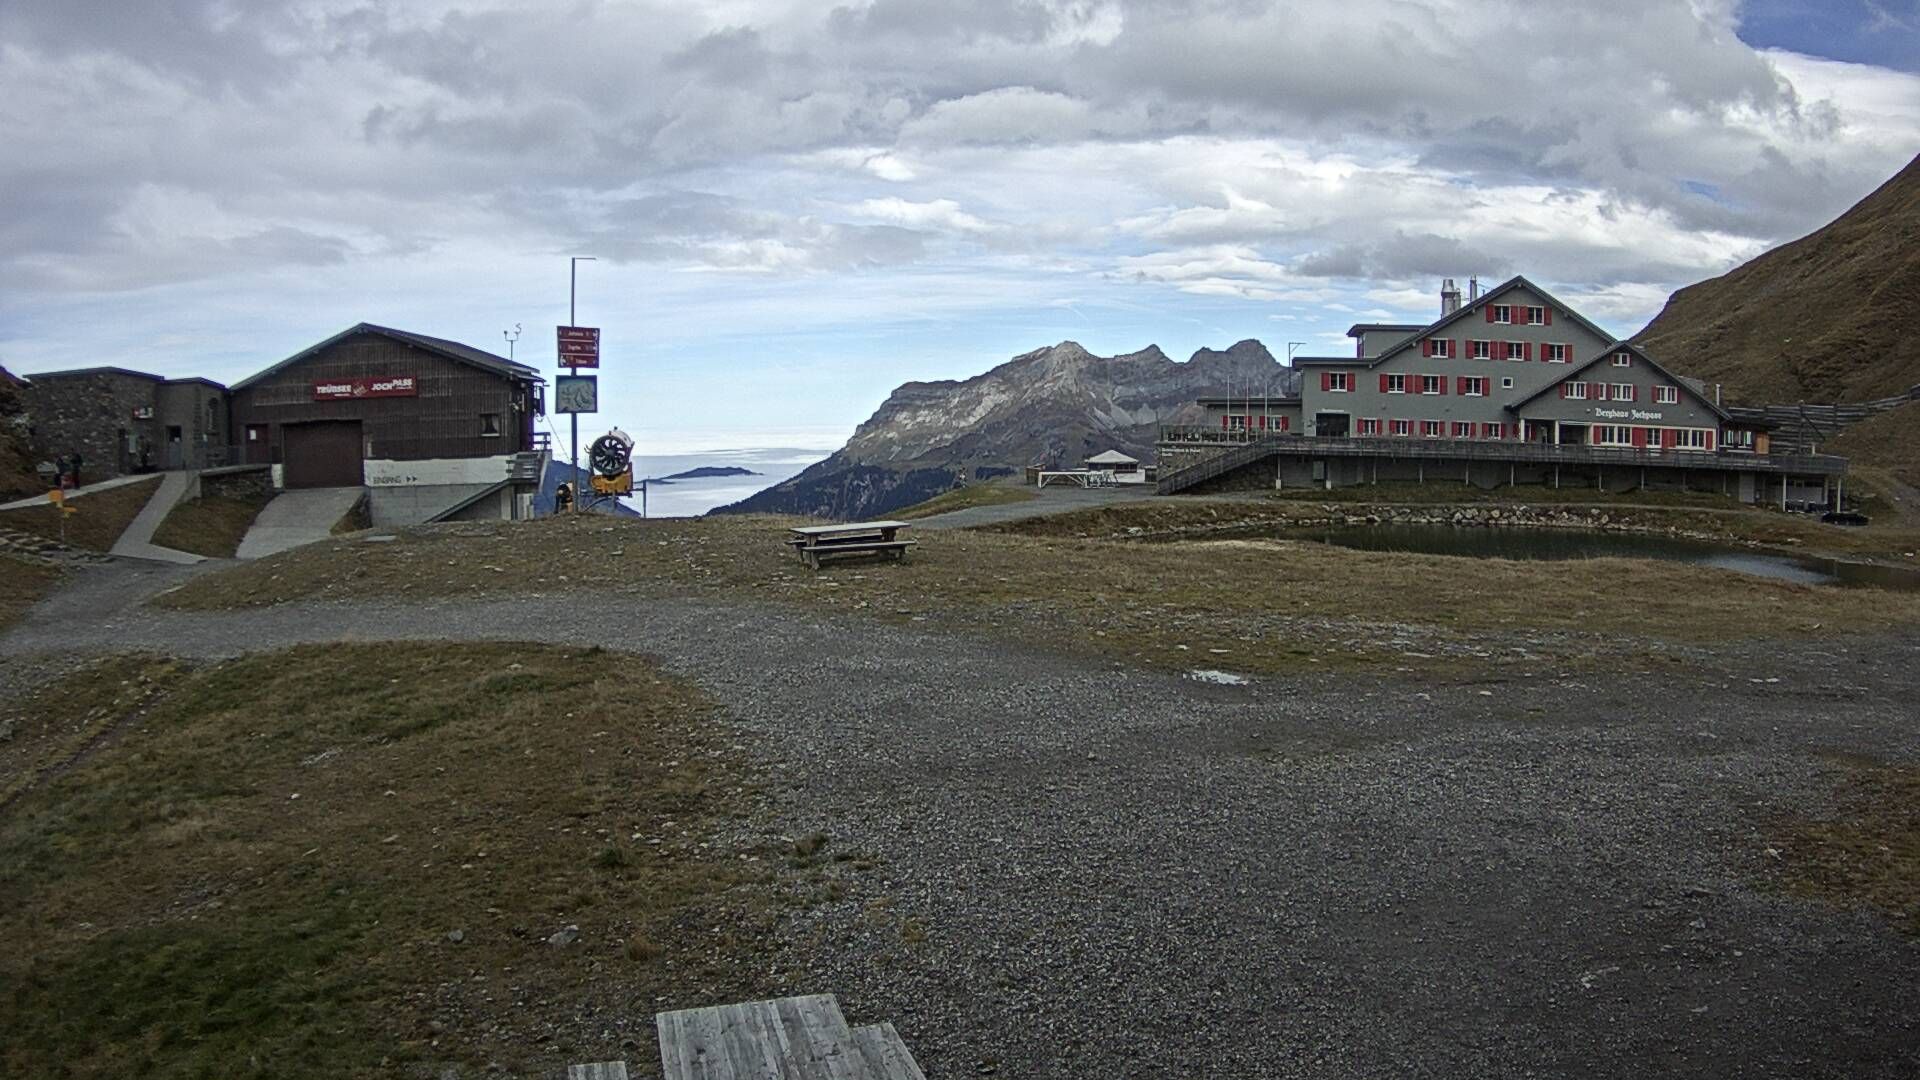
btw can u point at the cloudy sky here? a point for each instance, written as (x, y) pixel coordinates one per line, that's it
(796, 206)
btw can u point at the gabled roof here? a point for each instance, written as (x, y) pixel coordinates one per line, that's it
(76, 372)
(1112, 457)
(1616, 347)
(195, 378)
(1312, 360)
(452, 350)
(1517, 281)
(1361, 327)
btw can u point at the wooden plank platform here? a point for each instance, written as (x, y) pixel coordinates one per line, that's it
(797, 1038)
(886, 1053)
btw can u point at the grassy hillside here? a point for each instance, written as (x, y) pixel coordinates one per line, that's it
(17, 478)
(1833, 316)
(97, 521)
(352, 860)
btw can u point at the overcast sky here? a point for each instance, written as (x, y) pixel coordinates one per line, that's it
(797, 206)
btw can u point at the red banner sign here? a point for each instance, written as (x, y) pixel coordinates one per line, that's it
(345, 389)
(579, 346)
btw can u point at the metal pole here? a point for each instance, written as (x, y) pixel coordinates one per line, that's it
(573, 448)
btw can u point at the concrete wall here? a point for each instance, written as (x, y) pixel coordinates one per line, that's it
(199, 411)
(389, 507)
(436, 471)
(236, 482)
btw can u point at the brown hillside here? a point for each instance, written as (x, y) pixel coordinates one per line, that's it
(1889, 441)
(16, 459)
(1833, 316)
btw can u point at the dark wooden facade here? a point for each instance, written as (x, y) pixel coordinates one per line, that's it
(459, 409)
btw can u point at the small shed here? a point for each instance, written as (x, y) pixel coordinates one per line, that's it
(1115, 462)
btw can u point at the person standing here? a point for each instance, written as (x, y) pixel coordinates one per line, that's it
(75, 460)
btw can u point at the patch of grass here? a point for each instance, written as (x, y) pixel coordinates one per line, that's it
(1266, 605)
(264, 873)
(1453, 493)
(22, 585)
(45, 730)
(97, 521)
(1867, 854)
(963, 497)
(210, 525)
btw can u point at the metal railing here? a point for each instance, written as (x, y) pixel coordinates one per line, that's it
(1240, 449)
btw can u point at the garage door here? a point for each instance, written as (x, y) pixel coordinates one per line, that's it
(323, 454)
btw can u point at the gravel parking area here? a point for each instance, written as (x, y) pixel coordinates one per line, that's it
(1084, 871)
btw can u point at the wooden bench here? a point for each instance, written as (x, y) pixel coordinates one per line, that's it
(817, 542)
(796, 1038)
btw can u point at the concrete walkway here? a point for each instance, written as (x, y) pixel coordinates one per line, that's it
(83, 490)
(137, 541)
(295, 518)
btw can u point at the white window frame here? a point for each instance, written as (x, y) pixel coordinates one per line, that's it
(1392, 380)
(1493, 429)
(1536, 316)
(1503, 313)
(1400, 428)
(1506, 382)
(1339, 382)
(1433, 429)
(1615, 435)
(1576, 391)
(1517, 351)
(1622, 359)
(1550, 348)
(1480, 350)
(1438, 382)
(1476, 386)
(1361, 425)
(1458, 434)
(1690, 439)
(1442, 348)
(1666, 395)
(1621, 391)
(1236, 422)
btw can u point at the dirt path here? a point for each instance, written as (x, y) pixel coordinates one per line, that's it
(1100, 871)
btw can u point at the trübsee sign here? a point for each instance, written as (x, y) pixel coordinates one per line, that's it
(344, 389)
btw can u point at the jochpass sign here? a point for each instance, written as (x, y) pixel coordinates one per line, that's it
(579, 346)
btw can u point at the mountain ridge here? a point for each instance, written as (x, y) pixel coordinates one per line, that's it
(1833, 316)
(1056, 404)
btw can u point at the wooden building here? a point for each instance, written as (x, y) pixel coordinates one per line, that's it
(432, 427)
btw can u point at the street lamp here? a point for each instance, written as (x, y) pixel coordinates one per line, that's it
(573, 439)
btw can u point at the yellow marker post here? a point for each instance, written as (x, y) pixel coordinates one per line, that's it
(59, 500)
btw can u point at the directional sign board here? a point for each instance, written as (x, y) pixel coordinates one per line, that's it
(576, 393)
(579, 346)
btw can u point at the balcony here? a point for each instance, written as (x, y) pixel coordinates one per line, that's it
(1181, 438)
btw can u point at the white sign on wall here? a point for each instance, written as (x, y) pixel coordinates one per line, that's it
(1626, 414)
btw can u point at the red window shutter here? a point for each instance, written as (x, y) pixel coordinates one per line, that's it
(1223, 422)
(1383, 383)
(1549, 316)
(1633, 393)
(1443, 385)
(1326, 380)
(1489, 312)
(1710, 436)
(1639, 437)
(1460, 385)
(1529, 350)
(1426, 346)
(1285, 422)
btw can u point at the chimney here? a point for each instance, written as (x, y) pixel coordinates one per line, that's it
(1449, 297)
(1473, 289)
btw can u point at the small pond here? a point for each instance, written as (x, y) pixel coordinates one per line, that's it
(1538, 543)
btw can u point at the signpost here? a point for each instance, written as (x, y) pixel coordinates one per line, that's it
(578, 347)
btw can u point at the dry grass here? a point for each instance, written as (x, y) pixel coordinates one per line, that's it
(1867, 854)
(1267, 606)
(1889, 441)
(259, 874)
(45, 733)
(964, 497)
(97, 522)
(22, 585)
(210, 525)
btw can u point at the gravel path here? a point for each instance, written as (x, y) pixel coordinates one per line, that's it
(1115, 873)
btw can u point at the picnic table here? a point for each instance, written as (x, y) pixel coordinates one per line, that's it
(817, 542)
